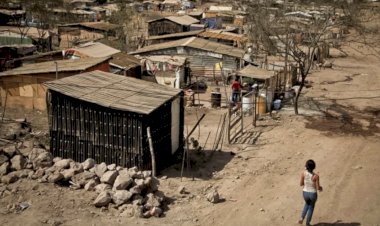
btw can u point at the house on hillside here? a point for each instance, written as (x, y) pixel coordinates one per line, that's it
(75, 15)
(23, 87)
(225, 37)
(206, 58)
(73, 34)
(9, 52)
(80, 4)
(171, 37)
(171, 5)
(172, 71)
(90, 49)
(9, 15)
(170, 25)
(109, 119)
(125, 64)
(224, 16)
(42, 39)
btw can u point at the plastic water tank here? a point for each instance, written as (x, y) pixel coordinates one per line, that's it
(247, 104)
(277, 104)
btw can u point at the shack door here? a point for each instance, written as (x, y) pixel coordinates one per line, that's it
(175, 124)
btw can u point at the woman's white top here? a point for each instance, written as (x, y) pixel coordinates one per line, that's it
(309, 185)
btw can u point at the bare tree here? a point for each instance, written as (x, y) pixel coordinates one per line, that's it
(297, 37)
(22, 24)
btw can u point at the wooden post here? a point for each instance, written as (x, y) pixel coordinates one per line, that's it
(153, 157)
(241, 105)
(229, 125)
(254, 107)
(195, 126)
(5, 105)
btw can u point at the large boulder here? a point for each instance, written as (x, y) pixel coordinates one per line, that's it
(103, 199)
(82, 179)
(40, 158)
(100, 169)
(122, 182)
(88, 164)
(26, 147)
(55, 177)
(109, 177)
(62, 164)
(68, 174)
(25, 173)
(10, 178)
(10, 150)
(3, 158)
(213, 197)
(77, 167)
(4, 169)
(91, 184)
(39, 173)
(102, 187)
(121, 197)
(18, 162)
(136, 190)
(147, 173)
(151, 183)
(111, 167)
(35, 153)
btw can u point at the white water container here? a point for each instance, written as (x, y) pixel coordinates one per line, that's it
(277, 104)
(247, 104)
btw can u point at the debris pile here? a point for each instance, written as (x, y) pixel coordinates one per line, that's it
(133, 192)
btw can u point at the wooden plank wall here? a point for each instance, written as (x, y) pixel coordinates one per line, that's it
(81, 130)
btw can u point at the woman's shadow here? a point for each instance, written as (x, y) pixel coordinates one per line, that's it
(338, 223)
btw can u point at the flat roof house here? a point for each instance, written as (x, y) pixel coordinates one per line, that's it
(170, 25)
(23, 87)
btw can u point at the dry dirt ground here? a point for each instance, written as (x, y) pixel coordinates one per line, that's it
(258, 178)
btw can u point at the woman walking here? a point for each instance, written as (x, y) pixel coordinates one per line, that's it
(310, 182)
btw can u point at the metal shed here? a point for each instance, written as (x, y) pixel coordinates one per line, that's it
(105, 117)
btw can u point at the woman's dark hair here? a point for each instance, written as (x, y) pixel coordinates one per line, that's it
(310, 165)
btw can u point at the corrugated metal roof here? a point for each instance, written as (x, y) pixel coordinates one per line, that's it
(125, 60)
(223, 35)
(96, 49)
(12, 12)
(220, 8)
(114, 91)
(103, 26)
(255, 73)
(31, 32)
(197, 43)
(174, 35)
(50, 67)
(195, 13)
(182, 20)
(173, 60)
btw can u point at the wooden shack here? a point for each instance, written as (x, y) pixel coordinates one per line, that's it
(170, 25)
(125, 64)
(206, 58)
(23, 87)
(105, 117)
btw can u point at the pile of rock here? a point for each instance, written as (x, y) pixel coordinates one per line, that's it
(133, 192)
